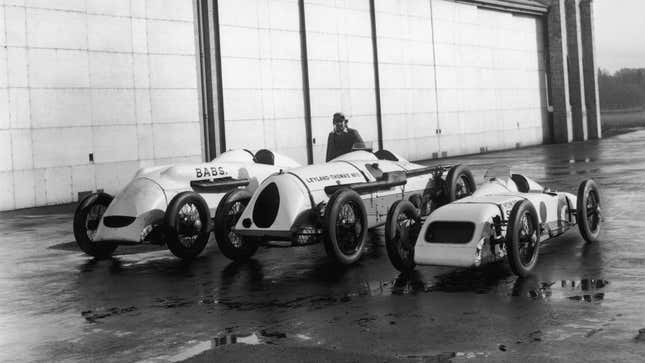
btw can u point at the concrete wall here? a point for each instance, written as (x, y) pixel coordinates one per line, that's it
(114, 78)
(407, 77)
(119, 80)
(261, 76)
(459, 79)
(490, 78)
(341, 73)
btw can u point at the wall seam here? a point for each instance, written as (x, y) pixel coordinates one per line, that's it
(305, 78)
(377, 81)
(436, 83)
(9, 129)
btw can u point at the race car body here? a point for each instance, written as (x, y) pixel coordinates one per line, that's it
(507, 217)
(337, 202)
(192, 192)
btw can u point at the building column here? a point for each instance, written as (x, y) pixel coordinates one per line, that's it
(576, 76)
(594, 130)
(559, 73)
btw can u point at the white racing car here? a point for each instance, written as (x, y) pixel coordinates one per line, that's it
(507, 217)
(337, 202)
(173, 204)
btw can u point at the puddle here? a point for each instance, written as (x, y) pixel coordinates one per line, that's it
(93, 316)
(230, 338)
(585, 290)
(448, 356)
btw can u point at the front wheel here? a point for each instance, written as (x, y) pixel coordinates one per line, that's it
(523, 238)
(86, 222)
(401, 231)
(232, 245)
(459, 183)
(187, 225)
(588, 214)
(346, 225)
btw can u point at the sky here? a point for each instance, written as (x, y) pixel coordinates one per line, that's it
(620, 34)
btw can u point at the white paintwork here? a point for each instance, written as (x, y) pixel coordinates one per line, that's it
(148, 194)
(495, 197)
(350, 168)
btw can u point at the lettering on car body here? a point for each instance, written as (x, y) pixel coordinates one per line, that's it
(210, 172)
(322, 178)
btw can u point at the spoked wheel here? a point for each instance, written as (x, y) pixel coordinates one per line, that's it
(423, 204)
(459, 183)
(523, 238)
(86, 222)
(346, 224)
(228, 212)
(588, 211)
(187, 225)
(401, 231)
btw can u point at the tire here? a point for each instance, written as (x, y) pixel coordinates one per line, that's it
(459, 183)
(86, 221)
(523, 240)
(401, 231)
(236, 248)
(186, 225)
(345, 238)
(588, 212)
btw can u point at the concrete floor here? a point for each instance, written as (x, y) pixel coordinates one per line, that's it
(585, 302)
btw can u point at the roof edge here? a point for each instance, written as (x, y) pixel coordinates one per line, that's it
(518, 6)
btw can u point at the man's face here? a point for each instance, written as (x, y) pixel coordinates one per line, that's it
(339, 125)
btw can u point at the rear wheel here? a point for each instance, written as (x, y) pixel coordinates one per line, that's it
(459, 183)
(401, 231)
(523, 238)
(346, 225)
(232, 245)
(187, 225)
(588, 212)
(86, 222)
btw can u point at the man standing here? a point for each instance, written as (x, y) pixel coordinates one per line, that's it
(342, 138)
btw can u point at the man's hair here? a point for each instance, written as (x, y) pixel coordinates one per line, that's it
(339, 116)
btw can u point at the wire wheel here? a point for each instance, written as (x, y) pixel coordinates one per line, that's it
(348, 228)
(462, 187)
(232, 216)
(189, 225)
(528, 240)
(459, 183)
(93, 218)
(87, 219)
(588, 211)
(593, 211)
(229, 211)
(401, 232)
(523, 238)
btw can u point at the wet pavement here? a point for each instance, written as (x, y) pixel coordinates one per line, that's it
(584, 302)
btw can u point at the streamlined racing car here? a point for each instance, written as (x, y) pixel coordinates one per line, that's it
(508, 217)
(172, 204)
(337, 202)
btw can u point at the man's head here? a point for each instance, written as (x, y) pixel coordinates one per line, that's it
(340, 122)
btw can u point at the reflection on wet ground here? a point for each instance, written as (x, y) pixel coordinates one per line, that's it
(145, 303)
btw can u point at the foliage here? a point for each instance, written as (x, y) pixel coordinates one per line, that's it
(624, 89)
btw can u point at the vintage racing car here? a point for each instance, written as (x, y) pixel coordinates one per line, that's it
(337, 202)
(173, 204)
(507, 217)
